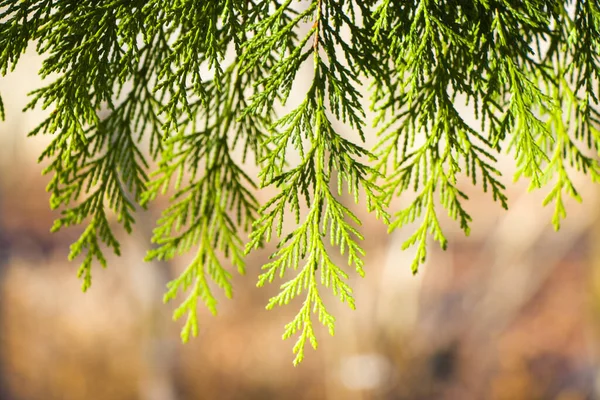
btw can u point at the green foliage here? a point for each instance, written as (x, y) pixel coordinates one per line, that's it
(148, 98)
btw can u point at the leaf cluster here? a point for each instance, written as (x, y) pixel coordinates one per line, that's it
(151, 98)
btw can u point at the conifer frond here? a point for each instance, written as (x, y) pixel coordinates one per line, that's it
(150, 97)
(324, 154)
(213, 200)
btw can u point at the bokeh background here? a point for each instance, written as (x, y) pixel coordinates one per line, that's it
(511, 312)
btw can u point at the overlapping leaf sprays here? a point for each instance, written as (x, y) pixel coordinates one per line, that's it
(327, 159)
(151, 95)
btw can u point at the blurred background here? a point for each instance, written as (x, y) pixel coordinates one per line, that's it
(511, 312)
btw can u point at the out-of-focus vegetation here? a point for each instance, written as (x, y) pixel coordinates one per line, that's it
(499, 316)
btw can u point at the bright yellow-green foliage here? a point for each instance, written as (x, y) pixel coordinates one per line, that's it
(182, 85)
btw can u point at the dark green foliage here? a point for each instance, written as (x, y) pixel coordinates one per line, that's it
(150, 97)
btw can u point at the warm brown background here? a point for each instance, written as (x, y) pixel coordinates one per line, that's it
(509, 313)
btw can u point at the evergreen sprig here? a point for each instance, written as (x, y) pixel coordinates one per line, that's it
(148, 98)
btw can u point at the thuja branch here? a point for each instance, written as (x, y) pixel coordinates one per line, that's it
(151, 98)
